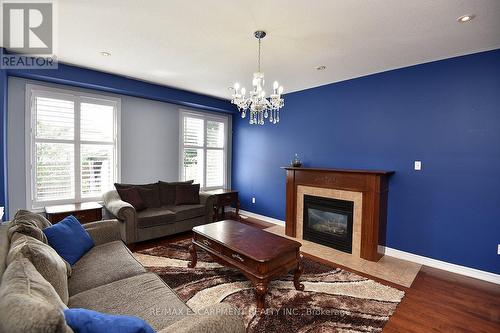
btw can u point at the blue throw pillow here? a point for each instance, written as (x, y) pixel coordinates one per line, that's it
(70, 240)
(88, 321)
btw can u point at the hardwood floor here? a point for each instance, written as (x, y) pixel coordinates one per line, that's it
(437, 301)
(440, 301)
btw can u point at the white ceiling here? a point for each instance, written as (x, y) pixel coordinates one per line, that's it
(205, 46)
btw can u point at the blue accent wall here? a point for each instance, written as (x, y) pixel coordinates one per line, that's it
(444, 113)
(92, 79)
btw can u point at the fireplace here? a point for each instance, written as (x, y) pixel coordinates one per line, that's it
(368, 189)
(328, 221)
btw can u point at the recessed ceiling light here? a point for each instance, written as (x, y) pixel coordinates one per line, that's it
(230, 88)
(321, 68)
(105, 54)
(465, 18)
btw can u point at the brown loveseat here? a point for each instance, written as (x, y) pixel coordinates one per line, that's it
(107, 279)
(163, 217)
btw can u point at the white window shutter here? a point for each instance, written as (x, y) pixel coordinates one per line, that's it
(203, 152)
(73, 144)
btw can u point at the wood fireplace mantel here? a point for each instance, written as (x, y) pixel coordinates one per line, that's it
(373, 185)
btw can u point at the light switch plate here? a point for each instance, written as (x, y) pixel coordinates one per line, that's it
(253, 200)
(498, 250)
(418, 165)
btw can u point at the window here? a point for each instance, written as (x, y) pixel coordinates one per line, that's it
(72, 153)
(203, 153)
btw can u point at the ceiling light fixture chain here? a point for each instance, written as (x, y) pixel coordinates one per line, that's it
(256, 104)
(259, 53)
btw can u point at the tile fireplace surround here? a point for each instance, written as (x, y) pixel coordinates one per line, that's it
(356, 197)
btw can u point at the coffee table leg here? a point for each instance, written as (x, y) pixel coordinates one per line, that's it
(194, 257)
(261, 290)
(298, 272)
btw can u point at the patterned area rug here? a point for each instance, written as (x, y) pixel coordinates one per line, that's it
(334, 300)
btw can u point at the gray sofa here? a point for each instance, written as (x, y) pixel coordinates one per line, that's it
(155, 222)
(107, 279)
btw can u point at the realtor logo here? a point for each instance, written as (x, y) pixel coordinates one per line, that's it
(27, 35)
(27, 27)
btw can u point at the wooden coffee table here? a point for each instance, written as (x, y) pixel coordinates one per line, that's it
(261, 256)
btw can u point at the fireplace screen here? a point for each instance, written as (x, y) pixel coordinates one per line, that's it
(328, 222)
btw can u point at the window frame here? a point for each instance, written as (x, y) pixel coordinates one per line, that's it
(205, 116)
(77, 97)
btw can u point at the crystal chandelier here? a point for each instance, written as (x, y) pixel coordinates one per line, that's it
(256, 104)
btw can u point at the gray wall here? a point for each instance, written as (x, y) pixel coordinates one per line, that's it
(149, 140)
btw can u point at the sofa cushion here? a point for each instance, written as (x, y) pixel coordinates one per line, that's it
(30, 224)
(132, 196)
(103, 264)
(70, 240)
(186, 194)
(104, 231)
(154, 216)
(145, 296)
(28, 303)
(46, 260)
(4, 247)
(150, 196)
(167, 191)
(21, 226)
(40, 221)
(184, 212)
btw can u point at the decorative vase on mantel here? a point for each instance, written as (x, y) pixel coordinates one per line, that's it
(296, 162)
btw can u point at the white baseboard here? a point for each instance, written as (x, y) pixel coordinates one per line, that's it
(262, 217)
(446, 266)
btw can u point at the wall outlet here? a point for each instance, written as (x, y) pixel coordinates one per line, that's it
(253, 200)
(418, 165)
(498, 250)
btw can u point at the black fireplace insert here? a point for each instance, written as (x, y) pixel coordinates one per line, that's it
(328, 222)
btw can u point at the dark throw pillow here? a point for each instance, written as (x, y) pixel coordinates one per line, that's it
(147, 186)
(70, 240)
(132, 196)
(167, 191)
(149, 193)
(187, 194)
(150, 196)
